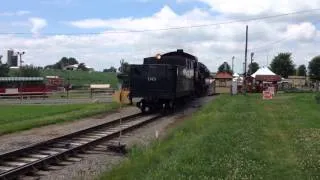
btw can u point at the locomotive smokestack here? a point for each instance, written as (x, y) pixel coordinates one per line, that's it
(180, 50)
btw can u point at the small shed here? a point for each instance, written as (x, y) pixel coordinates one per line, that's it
(297, 81)
(223, 82)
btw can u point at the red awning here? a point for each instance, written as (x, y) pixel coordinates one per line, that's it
(223, 75)
(270, 78)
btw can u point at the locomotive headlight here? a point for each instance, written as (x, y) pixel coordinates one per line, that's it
(158, 56)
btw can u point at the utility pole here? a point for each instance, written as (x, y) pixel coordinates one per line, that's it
(245, 62)
(232, 63)
(20, 74)
(20, 56)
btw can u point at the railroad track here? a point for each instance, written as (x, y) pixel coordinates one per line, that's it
(40, 156)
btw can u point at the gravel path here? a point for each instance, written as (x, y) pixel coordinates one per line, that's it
(13, 141)
(94, 164)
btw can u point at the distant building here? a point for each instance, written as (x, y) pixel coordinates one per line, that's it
(223, 82)
(75, 67)
(71, 67)
(12, 59)
(297, 81)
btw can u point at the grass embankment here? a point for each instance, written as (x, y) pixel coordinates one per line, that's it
(22, 117)
(80, 78)
(236, 138)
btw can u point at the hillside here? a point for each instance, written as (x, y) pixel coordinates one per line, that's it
(80, 78)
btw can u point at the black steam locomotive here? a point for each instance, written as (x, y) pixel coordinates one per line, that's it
(163, 80)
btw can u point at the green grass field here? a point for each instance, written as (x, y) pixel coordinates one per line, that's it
(235, 138)
(22, 117)
(81, 78)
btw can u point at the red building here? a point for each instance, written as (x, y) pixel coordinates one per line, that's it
(12, 86)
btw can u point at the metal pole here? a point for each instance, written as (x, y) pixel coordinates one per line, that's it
(245, 62)
(120, 99)
(20, 55)
(68, 80)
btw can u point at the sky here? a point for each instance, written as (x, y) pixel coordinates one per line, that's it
(100, 33)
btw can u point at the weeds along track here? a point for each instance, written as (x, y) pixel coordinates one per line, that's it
(42, 155)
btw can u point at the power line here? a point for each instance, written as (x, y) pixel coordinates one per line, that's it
(173, 28)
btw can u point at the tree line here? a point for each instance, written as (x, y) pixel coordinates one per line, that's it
(283, 65)
(35, 71)
(64, 62)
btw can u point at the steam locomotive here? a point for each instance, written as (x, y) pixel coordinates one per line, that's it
(163, 80)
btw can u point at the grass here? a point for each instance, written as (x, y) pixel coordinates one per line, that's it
(235, 138)
(22, 117)
(82, 78)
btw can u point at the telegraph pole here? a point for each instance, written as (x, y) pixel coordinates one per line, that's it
(245, 62)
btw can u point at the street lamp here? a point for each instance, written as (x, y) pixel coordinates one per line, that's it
(20, 55)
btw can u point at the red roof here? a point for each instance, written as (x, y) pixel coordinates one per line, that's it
(223, 75)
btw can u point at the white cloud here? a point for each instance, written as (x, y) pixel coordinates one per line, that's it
(302, 32)
(213, 44)
(254, 7)
(37, 24)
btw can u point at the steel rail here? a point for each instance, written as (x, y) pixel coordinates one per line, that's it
(41, 155)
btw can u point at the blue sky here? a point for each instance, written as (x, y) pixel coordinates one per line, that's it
(56, 12)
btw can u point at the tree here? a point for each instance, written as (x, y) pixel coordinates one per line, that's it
(282, 64)
(4, 70)
(253, 68)
(83, 67)
(28, 71)
(302, 70)
(314, 68)
(64, 61)
(111, 69)
(225, 67)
